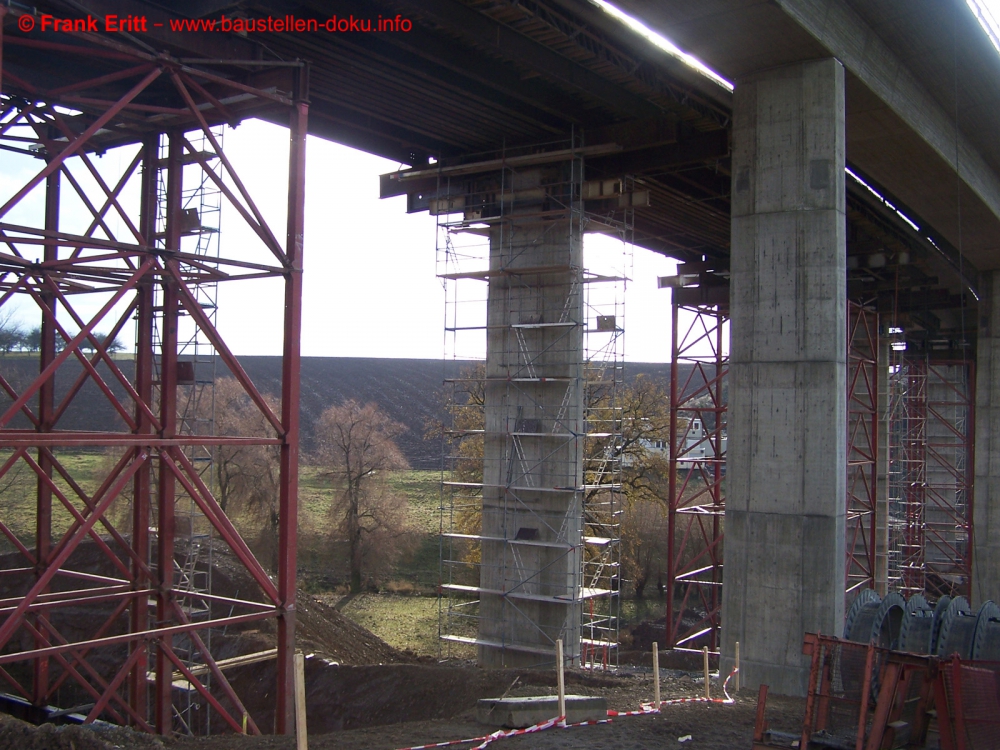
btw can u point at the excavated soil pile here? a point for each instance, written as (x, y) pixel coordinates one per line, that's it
(319, 627)
(16, 735)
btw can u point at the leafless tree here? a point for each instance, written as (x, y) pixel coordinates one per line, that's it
(247, 474)
(357, 445)
(11, 335)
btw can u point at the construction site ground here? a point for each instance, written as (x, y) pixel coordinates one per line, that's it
(399, 706)
(361, 692)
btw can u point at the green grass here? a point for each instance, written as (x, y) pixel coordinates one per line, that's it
(422, 490)
(19, 492)
(319, 558)
(634, 611)
(401, 621)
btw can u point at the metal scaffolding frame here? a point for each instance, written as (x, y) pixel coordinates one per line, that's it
(698, 401)
(862, 447)
(201, 220)
(79, 281)
(931, 475)
(537, 361)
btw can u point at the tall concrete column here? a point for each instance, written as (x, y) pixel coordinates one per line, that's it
(532, 450)
(986, 503)
(785, 508)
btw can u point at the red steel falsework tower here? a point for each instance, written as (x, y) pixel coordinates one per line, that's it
(698, 407)
(63, 102)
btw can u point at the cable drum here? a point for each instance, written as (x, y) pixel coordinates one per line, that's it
(958, 629)
(986, 643)
(939, 609)
(875, 620)
(917, 627)
(861, 616)
(949, 627)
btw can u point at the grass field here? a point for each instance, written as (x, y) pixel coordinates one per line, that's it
(401, 621)
(405, 614)
(317, 525)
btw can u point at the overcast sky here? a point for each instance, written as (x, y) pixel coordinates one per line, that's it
(370, 286)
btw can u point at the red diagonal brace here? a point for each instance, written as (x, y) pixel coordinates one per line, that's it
(76, 145)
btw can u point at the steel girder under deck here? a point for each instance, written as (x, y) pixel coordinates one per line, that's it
(123, 659)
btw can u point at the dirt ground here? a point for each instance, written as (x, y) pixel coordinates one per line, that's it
(363, 693)
(449, 695)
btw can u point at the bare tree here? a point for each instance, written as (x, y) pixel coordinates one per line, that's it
(11, 335)
(644, 542)
(357, 444)
(247, 474)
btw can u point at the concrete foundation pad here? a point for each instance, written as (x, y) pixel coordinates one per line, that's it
(517, 713)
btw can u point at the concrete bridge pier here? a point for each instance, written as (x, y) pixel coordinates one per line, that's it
(986, 502)
(532, 521)
(785, 509)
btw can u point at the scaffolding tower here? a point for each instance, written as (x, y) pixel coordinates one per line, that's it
(930, 475)
(200, 219)
(531, 490)
(862, 447)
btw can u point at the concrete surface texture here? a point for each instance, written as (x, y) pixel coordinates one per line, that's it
(517, 713)
(785, 512)
(532, 463)
(986, 504)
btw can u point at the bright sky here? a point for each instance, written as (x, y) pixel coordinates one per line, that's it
(370, 283)
(370, 288)
(987, 12)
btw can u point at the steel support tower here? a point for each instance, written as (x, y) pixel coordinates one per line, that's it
(699, 366)
(79, 280)
(931, 475)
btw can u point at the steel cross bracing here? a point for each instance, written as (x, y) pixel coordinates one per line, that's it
(931, 476)
(78, 281)
(539, 318)
(862, 447)
(698, 407)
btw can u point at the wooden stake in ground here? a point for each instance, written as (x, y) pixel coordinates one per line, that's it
(301, 739)
(736, 677)
(656, 675)
(708, 688)
(560, 679)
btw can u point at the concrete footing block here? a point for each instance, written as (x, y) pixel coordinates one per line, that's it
(517, 713)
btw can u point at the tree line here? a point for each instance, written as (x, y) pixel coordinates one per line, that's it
(16, 338)
(356, 452)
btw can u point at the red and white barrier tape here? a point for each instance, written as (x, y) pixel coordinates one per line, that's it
(500, 734)
(446, 744)
(560, 721)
